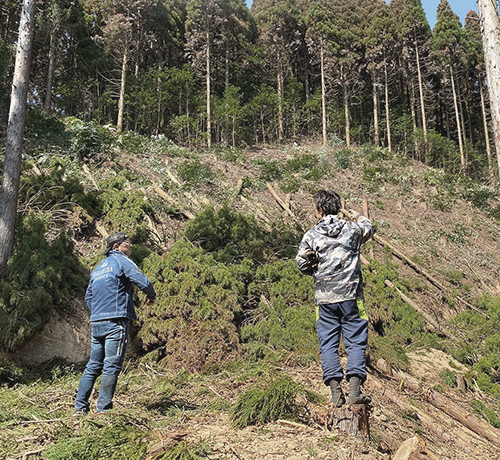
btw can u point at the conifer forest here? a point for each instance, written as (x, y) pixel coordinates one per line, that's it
(213, 72)
(202, 129)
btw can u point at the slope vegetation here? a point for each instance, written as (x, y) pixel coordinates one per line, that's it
(225, 365)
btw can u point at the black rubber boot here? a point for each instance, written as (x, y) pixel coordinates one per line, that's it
(355, 395)
(338, 397)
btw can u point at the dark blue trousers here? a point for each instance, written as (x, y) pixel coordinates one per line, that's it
(348, 318)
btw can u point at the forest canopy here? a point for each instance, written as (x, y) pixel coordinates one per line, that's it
(357, 71)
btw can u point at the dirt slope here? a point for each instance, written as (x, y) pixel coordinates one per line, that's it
(461, 238)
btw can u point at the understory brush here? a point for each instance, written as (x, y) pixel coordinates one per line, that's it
(277, 399)
(479, 343)
(41, 276)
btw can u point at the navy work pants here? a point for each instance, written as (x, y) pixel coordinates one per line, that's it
(349, 318)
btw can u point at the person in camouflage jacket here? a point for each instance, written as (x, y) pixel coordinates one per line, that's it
(330, 252)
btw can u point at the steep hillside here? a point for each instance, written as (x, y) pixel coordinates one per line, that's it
(432, 294)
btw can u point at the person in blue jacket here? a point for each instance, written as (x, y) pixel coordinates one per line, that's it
(109, 298)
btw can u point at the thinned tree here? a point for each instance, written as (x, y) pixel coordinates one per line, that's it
(203, 33)
(334, 38)
(381, 47)
(447, 45)
(474, 61)
(279, 27)
(56, 22)
(415, 33)
(490, 30)
(11, 176)
(319, 25)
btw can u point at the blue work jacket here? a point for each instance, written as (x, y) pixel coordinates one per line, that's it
(109, 293)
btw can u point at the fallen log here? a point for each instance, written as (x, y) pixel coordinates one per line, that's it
(416, 267)
(100, 228)
(428, 318)
(88, 173)
(259, 212)
(443, 403)
(411, 449)
(188, 195)
(279, 200)
(424, 272)
(426, 421)
(170, 200)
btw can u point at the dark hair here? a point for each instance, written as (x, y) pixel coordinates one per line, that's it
(114, 238)
(328, 201)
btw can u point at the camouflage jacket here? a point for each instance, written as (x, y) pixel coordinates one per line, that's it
(335, 264)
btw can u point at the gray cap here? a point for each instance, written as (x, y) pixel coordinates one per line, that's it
(114, 238)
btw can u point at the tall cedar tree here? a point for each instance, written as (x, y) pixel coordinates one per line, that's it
(447, 45)
(11, 171)
(415, 37)
(204, 26)
(346, 45)
(380, 37)
(474, 61)
(278, 22)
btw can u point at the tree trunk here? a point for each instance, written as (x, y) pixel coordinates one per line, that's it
(486, 131)
(209, 114)
(50, 74)
(457, 116)
(490, 31)
(353, 420)
(9, 193)
(387, 118)
(121, 100)
(323, 96)
(280, 98)
(414, 118)
(421, 92)
(376, 134)
(347, 118)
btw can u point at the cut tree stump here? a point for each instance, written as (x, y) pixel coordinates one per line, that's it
(352, 419)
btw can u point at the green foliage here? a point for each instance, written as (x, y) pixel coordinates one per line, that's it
(89, 140)
(57, 189)
(480, 344)
(45, 130)
(277, 400)
(228, 232)
(310, 166)
(199, 303)
(124, 210)
(343, 158)
(271, 170)
(41, 275)
(232, 236)
(115, 437)
(448, 377)
(194, 173)
(480, 409)
(186, 451)
(392, 353)
(283, 318)
(9, 373)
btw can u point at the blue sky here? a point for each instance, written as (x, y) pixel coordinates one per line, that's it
(461, 7)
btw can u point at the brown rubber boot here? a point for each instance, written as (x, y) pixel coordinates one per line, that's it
(355, 394)
(338, 397)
